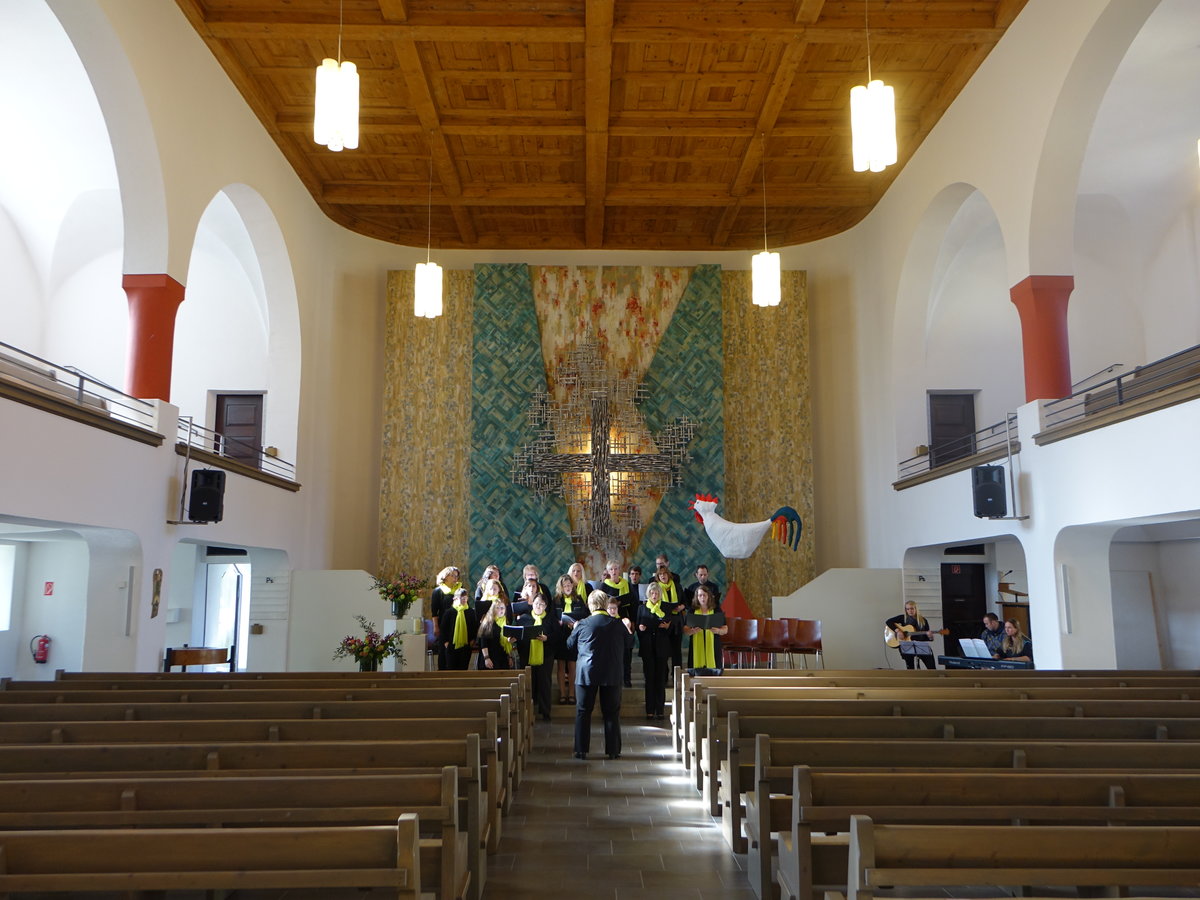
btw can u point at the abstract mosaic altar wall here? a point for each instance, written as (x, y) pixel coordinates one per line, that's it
(457, 388)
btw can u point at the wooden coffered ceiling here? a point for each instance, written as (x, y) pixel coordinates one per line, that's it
(608, 124)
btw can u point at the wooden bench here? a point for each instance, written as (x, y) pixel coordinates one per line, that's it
(810, 814)
(737, 771)
(913, 856)
(13, 702)
(274, 801)
(199, 656)
(210, 859)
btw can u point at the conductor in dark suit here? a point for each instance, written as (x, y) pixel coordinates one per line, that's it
(600, 641)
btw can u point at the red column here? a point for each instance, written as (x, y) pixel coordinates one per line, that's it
(153, 301)
(1041, 302)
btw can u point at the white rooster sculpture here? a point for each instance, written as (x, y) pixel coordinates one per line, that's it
(738, 540)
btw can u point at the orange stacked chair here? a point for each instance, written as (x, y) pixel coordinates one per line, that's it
(805, 639)
(774, 637)
(742, 638)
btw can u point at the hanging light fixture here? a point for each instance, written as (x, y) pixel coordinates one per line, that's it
(872, 117)
(764, 272)
(335, 118)
(427, 285)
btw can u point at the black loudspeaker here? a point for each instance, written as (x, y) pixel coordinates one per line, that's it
(987, 487)
(206, 503)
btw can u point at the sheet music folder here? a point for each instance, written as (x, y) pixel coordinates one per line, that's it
(716, 620)
(523, 632)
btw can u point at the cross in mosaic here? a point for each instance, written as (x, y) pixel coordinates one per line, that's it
(603, 477)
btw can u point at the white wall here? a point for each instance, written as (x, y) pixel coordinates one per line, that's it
(1179, 563)
(62, 616)
(324, 605)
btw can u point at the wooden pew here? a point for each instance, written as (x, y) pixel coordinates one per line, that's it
(199, 656)
(698, 733)
(13, 700)
(212, 858)
(811, 813)
(737, 770)
(272, 801)
(912, 856)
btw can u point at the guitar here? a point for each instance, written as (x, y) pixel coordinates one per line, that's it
(905, 633)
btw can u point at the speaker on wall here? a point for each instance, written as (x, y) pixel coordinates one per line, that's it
(987, 488)
(206, 503)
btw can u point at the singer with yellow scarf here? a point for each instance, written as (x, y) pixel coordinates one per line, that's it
(447, 582)
(459, 628)
(653, 624)
(706, 642)
(495, 649)
(538, 653)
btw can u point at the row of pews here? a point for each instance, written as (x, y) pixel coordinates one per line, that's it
(141, 782)
(846, 783)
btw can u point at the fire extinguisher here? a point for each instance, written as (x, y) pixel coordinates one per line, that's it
(39, 646)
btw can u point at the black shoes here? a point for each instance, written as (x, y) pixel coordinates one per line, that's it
(614, 755)
(581, 756)
(628, 683)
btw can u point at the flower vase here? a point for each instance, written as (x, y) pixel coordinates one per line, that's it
(368, 665)
(396, 609)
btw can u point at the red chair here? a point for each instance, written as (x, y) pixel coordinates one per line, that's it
(774, 637)
(742, 638)
(805, 639)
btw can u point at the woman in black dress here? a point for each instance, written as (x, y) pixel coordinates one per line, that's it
(654, 645)
(537, 653)
(439, 601)
(706, 642)
(566, 611)
(459, 627)
(495, 650)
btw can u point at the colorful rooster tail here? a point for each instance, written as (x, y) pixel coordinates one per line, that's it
(786, 527)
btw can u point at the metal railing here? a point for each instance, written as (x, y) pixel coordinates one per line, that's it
(74, 386)
(994, 437)
(261, 458)
(1144, 381)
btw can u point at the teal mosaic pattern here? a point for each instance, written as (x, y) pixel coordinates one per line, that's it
(686, 378)
(510, 525)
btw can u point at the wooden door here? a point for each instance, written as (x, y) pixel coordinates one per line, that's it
(239, 419)
(951, 427)
(964, 601)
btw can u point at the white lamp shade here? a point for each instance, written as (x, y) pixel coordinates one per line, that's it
(764, 280)
(873, 126)
(427, 290)
(335, 120)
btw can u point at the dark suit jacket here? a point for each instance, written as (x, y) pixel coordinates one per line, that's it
(600, 641)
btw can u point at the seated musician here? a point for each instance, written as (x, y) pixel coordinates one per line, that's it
(1015, 646)
(915, 636)
(993, 634)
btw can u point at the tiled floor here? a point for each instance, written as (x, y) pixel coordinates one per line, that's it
(626, 829)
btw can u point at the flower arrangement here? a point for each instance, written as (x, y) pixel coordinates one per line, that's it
(400, 591)
(370, 649)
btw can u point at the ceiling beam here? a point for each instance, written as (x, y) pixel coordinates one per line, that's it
(598, 91)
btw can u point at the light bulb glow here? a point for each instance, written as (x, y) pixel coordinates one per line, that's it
(335, 118)
(427, 290)
(873, 126)
(764, 279)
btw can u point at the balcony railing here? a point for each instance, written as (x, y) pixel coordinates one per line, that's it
(989, 441)
(67, 384)
(260, 458)
(1142, 384)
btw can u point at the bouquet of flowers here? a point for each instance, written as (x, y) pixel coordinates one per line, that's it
(400, 591)
(370, 649)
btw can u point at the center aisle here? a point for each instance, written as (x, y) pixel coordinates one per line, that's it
(627, 829)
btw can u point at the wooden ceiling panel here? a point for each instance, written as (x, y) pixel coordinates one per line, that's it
(668, 152)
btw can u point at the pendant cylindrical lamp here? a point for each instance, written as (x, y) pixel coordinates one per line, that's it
(427, 290)
(764, 279)
(873, 125)
(335, 123)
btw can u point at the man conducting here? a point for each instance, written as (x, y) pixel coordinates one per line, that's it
(600, 642)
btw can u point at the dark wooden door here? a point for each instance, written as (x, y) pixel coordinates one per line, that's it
(964, 601)
(239, 421)
(951, 427)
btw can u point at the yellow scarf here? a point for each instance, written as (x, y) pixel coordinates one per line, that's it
(668, 593)
(703, 653)
(460, 626)
(656, 608)
(449, 590)
(622, 586)
(504, 642)
(536, 657)
(567, 603)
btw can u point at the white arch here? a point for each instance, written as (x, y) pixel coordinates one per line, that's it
(134, 146)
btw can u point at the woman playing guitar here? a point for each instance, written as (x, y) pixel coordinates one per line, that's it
(912, 634)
